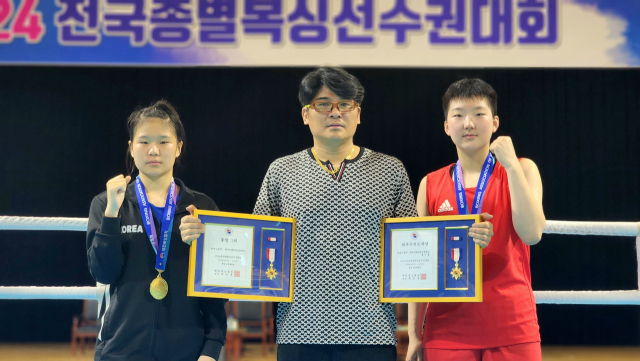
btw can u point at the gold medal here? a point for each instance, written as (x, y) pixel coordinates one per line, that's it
(271, 256)
(456, 272)
(271, 272)
(159, 288)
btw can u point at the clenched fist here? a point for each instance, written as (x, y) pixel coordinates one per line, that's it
(116, 187)
(502, 147)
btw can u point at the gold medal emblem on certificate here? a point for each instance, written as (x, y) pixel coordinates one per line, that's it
(456, 272)
(159, 288)
(271, 256)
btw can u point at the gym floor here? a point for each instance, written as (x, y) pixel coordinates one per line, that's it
(251, 352)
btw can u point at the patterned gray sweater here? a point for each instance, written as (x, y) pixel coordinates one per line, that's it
(337, 245)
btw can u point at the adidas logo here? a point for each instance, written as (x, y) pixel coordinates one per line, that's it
(445, 207)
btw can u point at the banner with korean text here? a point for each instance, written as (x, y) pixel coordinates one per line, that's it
(387, 33)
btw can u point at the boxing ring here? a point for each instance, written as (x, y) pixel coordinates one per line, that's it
(613, 297)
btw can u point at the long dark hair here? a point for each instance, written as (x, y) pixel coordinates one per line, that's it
(161, 109)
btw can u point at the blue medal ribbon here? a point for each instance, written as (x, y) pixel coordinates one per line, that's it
(163, 243)
(478, 198)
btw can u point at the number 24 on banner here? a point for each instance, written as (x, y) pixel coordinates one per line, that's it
(26, 23)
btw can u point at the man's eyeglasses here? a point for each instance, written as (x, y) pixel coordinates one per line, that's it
(325, 107)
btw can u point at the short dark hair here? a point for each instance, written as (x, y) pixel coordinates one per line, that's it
(345, 85)
(161, 109)
(470, 89)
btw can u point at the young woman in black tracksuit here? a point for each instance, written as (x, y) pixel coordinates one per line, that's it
(146, 314)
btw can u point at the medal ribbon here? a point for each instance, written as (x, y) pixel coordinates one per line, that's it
(455, 254)
(163, 243)
(271, 254)
(478, 198)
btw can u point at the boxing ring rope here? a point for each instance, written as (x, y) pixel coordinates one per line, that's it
(43, 224)
(52, 293)
(623, 229)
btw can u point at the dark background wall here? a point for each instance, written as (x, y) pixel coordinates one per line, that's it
(62, 136)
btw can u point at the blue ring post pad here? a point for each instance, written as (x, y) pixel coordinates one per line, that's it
(261, 285)
(451, 234)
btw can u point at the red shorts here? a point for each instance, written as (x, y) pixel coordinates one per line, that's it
(521, 352)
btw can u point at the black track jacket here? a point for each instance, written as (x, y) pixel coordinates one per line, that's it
(135, 326)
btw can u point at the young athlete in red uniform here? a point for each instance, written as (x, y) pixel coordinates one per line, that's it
(504, 326)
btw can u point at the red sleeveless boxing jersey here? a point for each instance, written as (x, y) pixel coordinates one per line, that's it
(507, 315)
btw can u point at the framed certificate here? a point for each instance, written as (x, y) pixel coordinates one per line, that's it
(430, 259)
(243, 256)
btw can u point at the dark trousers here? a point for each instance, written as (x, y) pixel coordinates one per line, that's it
(295, 352)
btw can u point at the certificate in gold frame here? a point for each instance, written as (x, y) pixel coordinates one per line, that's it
(279, 229)
(467, 289)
